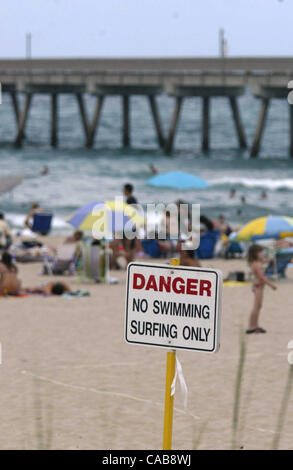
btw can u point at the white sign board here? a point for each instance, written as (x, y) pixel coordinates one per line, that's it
(175, 307)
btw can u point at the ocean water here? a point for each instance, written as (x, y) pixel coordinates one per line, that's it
(78, 175)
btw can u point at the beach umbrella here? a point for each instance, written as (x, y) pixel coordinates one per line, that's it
(106, 217)
(177, 180)
(266, 227)
(103, 219)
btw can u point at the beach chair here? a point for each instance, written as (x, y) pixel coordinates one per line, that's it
(64, 262)
(278, 265)
(233, 249)
(207, 244)
(151, 248)
(42, 223)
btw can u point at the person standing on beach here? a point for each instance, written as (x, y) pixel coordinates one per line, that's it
(5, 235)
(255, 259)
(35, 209)
(128, 193)
(130, 246)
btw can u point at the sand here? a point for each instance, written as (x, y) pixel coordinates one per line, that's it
(69, 381)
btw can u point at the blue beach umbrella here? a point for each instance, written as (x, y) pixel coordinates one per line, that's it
(177, 180)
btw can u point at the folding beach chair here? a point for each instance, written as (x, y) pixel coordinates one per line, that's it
(42, 223)
(278, 265)
(63, 263)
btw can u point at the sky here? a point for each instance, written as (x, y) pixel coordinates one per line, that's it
(146, 28)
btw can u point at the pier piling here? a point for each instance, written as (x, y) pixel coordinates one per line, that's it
(205, 142)
(54, 119)
(157, 121)
(15, 106)
(126, 120)
(83, 115)
(173, 125)
(94, 127)
(22, 120)
(260, 128)
(238, 123)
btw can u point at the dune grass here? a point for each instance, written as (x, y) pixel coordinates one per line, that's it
(283, 409)
(238, 392)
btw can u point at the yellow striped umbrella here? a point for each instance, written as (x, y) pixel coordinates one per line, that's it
(107, 217)
(266, 227)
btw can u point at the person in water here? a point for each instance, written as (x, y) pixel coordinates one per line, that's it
(9, 282)
(255, 260)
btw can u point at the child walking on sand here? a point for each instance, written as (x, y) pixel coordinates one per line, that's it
(255, 259)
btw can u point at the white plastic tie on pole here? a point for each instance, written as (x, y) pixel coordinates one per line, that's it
(183, 386)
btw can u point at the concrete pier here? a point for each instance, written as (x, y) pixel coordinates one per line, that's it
(180, 78)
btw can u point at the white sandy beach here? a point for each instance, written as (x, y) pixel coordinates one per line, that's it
(69, 380)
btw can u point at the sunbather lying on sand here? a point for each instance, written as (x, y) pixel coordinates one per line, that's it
(49, 288)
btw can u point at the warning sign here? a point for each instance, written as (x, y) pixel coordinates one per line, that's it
(173, 306)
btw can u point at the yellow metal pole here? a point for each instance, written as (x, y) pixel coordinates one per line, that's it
(169, 400)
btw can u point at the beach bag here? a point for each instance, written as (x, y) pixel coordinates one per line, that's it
(238, 276)
(93, 263)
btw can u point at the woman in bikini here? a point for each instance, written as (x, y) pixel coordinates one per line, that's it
(255, 259)
(9, 282)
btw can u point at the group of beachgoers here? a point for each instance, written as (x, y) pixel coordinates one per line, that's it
(10, 283)
(218, 231)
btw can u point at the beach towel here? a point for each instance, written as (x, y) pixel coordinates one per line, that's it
(235, 283)
(15, 294)
(76, 294)
(67, 295)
